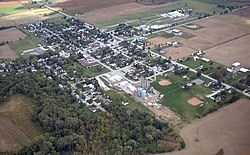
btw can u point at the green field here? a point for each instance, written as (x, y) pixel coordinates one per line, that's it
(121, 97)
(82, 71)
(25, 44)
(195, 64)
(59, 20)
(10, 10)
(162, 34)
(176, 97)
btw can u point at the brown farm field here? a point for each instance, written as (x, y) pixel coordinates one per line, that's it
(230, 52)
(7, 53)
(11, 34)
(100, 15)
(16, 126)
(11, 136)
(216, 32)
(226, 129)
(80, 6)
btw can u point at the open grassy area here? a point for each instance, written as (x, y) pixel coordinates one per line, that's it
(82, 71)
(10, 10)
(195, 64)
(59, 20)
(121, 97)
(162, 34)
(25, 44)
(176, 97)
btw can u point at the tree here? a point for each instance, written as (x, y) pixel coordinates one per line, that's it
(198, 73)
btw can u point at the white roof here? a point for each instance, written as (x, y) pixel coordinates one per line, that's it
(229, 70)
(205, 59)
(236, 64)
(244, 70)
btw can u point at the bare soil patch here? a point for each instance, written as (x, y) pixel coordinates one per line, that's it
(230, 52)
(7, 53)
(174, 52)
(157, 40)
(11, 34)
(194, 101)
(165, 82)
(243, 12)
(178, 52)
(116, 11)
(11, 136)
(226, 129)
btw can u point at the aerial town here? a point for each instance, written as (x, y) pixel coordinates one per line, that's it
(125, 77)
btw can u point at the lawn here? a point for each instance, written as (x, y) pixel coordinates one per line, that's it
(121, 97)
(59, 20)
(82, 71)
(176, 97)
(10, 10)
(162, 34)
(25, 44)
(195, 64)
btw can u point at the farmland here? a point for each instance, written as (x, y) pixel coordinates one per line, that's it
(225, 129)
(7, 53)
(16, 125)
(11, 35)
(232, 51)
(78, 6)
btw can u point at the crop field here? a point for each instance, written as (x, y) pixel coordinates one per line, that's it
(230, 52)
(217, 31)
(79, 6)
(7, 53)
(176, 98)
(11, 35)
(16, 126)
(106, 16)
(225, 129)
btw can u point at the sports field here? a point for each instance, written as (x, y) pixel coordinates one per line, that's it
(176, 97)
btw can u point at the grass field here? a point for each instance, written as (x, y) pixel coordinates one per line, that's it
(195, 64)
(176, 97)
(25, 44)
(82, 71)
(116, 96)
